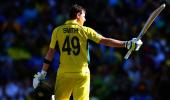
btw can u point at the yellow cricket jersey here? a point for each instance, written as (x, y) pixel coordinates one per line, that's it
(73, 45)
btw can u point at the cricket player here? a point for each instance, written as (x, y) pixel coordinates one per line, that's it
(73, 75)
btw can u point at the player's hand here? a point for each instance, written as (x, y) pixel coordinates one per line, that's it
(39, 77)
(134, 44)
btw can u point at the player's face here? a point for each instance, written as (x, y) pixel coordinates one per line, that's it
(81, 18)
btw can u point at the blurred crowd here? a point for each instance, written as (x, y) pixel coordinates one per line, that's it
(25, 32)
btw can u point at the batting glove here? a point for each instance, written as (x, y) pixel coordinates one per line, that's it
(39, 77)
(134, 44)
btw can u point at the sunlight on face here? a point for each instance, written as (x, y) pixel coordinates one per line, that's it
(81, 18)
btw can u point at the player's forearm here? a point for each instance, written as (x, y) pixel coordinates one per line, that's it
(112, 42)
(45, 67)
(48, 59)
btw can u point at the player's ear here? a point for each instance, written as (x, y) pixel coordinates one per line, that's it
(78, 15)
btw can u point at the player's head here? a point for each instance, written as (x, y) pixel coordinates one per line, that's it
(78, 12)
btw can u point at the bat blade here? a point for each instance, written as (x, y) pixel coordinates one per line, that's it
(150, 20)
(148, 23)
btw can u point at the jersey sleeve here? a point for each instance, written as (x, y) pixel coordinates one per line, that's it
(93, 35)
(53, 39)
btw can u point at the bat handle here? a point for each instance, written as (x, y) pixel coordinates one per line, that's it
(130, 50)
(128, 54)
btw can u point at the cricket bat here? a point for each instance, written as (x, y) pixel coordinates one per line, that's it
(148, 23)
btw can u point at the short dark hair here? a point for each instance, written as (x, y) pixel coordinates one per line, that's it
(74, 10)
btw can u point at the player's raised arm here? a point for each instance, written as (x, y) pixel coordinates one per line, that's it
(133, 44)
